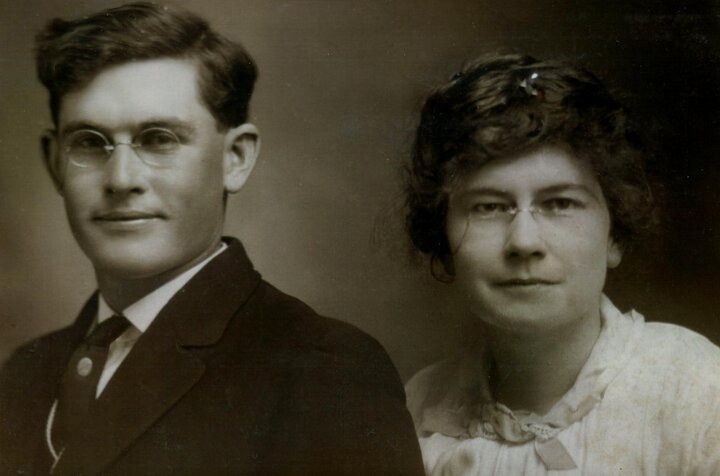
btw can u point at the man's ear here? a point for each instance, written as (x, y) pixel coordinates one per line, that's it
(52, 160)
(242, 146)
(614, 253)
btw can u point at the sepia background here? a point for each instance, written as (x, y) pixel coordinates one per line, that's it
(340, 88)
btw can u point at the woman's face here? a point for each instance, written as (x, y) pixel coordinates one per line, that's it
(530, 240)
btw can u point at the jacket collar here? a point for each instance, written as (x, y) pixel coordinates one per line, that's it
(225, 283)
(160, 369)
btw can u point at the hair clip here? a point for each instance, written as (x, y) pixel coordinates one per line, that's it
(528, 84)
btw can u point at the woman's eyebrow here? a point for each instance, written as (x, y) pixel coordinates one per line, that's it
(568, 187)
(485, 192)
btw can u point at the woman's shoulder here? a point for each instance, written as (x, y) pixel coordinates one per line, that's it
(676, 376)
(429, 385)
(438, 396)
(673, 346)
(677, 368)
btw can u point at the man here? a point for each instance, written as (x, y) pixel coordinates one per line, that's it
(184, 361)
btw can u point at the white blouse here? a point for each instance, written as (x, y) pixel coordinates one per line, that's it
(647, 401)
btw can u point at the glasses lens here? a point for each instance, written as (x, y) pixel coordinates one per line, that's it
(157, 146)
(86, 148)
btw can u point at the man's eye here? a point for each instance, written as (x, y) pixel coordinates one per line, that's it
(87, 141)
(158, 141)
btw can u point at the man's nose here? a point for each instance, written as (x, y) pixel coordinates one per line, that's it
(524, 237)
(124, 171)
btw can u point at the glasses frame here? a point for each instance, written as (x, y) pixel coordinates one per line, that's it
(507, 216)
(147, 156)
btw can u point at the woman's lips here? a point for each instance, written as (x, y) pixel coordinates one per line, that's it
(520, 282)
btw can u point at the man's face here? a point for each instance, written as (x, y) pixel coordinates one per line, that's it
(135, 220)
(540, 268)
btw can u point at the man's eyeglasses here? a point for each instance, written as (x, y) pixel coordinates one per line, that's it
(156, 147)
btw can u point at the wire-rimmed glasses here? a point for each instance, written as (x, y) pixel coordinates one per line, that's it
(89, 148)
(504, 213)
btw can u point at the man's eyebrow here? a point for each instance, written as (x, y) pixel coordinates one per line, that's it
(171, 123)
(174, 124)
(73, 126)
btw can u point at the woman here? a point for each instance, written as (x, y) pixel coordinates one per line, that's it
(525, 186)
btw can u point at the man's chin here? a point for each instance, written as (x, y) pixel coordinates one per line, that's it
(133, 269)
(130, 262)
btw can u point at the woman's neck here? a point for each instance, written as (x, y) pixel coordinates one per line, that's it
(534, 370)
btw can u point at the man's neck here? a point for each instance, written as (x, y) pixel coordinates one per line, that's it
(533, 371)
(120, 292)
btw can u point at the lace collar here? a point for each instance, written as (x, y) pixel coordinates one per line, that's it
(466, 409)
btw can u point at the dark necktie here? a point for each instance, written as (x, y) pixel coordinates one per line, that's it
(79, 383)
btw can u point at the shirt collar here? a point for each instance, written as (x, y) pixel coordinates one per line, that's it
(143, 312)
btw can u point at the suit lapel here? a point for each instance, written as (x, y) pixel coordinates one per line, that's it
(162, 367)
(61, 347)
(54, 359)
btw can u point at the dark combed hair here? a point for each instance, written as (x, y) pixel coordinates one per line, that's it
(500, 106)
(69, 54)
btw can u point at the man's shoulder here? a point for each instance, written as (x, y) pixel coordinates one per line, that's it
(38, 350)
(295, 321)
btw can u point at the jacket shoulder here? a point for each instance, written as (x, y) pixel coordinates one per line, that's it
(343, 395)
(308, 331)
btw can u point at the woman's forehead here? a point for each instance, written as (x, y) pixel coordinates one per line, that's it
(546, 169)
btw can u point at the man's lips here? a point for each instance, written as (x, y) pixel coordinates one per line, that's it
(126, 216)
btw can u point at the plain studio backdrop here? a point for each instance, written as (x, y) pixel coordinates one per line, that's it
(340, 88)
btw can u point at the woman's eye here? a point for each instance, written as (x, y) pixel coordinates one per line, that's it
(559, 205)
(489, 208)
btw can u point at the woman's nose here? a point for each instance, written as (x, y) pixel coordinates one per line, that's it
(524, 236)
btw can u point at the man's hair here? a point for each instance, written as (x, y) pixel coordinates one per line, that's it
(69, 54)
(500, 106)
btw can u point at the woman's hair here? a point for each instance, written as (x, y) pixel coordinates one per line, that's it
(70, 54)
(500, 106)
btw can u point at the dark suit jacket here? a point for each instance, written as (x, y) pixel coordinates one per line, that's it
(232, 377)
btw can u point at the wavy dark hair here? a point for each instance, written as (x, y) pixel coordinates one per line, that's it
(504, 105)
(70, 53)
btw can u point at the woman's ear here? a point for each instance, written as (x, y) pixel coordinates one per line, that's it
(442, 268)
(614, 253)
(51, 158)
(242, 146)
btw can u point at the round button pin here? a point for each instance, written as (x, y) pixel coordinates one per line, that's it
(84, 366)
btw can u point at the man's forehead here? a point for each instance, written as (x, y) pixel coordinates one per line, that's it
(137, 92)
